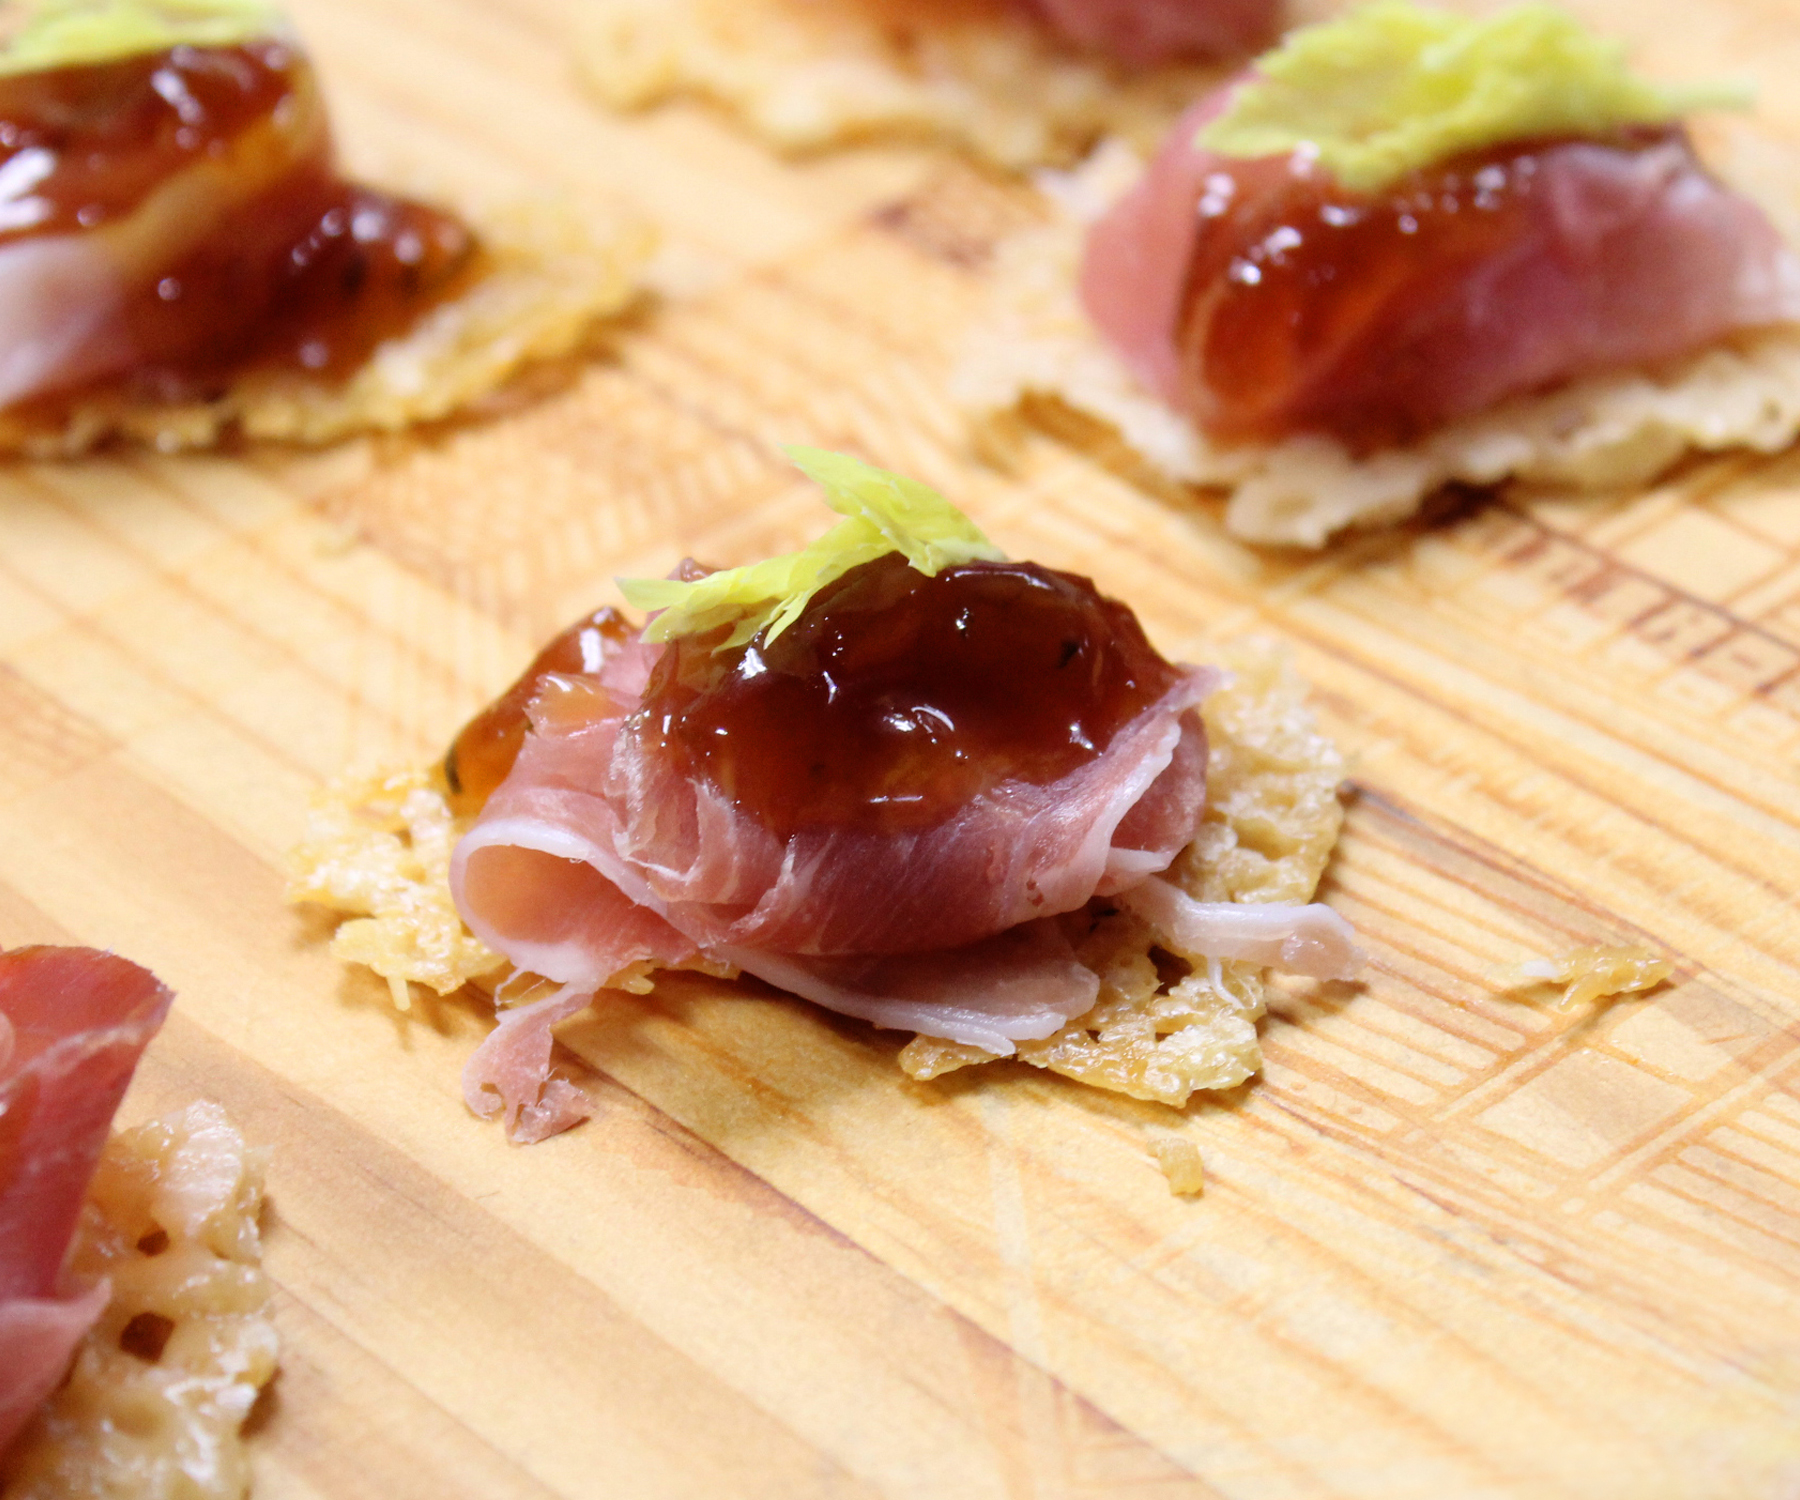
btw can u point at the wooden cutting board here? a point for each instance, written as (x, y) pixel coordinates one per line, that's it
(1452, 1246)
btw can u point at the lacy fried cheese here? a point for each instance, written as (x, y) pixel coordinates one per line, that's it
(162, 1384)
(1590, 974)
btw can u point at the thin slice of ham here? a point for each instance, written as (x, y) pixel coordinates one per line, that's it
(1143, 33)
(1311, 940)
(1135, 267)
(590, 804)
(1445, 296)
(73, 1024)
(38, 1336)
(1019, 985)
(509, 1073)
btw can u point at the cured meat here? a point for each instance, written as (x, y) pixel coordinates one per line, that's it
(1311, 940)
(38, 1336)
(1135, 267)
(175, 217)
(606, 847)
(509, 1073)
(73, 1023)
(1023, 984)
(1263, 300)
(538, 888)
(1146, 32)
(597, 852)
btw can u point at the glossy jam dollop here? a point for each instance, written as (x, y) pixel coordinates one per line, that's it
(300, 269)
(489, 743)
(1307, 306)
(896, 698)
(86, 145)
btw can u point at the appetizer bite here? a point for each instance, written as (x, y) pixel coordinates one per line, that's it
(895, 774)
(179, 254)
(1018, 82)
(134, 1336)
(1407, 248)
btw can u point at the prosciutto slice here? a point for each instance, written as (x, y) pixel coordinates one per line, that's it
(597, 853)
(73, 1023)
(1263, 300)
(509, 1073)
(1311, 940)
(1021, 984)
(590, 795)
(1145, 32)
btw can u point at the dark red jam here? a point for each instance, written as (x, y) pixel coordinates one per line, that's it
(297, 268)
(896, 698)
(489, 743)
(97, 139)
(1307, 304)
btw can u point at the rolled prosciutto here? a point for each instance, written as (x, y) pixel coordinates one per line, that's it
(882, 792)
(1263, 299)
(866, 812)
(73, 1024)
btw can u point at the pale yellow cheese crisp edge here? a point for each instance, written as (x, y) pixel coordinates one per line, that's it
(171, 1219)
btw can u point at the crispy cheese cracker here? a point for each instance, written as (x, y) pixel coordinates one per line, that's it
(161, 1385)
(1587, 975)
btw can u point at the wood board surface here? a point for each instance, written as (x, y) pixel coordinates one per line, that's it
(1451, 1245)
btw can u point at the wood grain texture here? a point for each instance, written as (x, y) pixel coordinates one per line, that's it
(1452, 1246)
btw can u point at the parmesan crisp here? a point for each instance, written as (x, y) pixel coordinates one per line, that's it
(377, 849)
(1590, 974)
(163, 1382)
(1179, 1160)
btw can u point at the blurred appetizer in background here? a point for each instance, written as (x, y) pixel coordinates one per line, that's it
(894, 774)
(179, 255)
(1407, 248)
(1018, 82)
(134, 1332)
